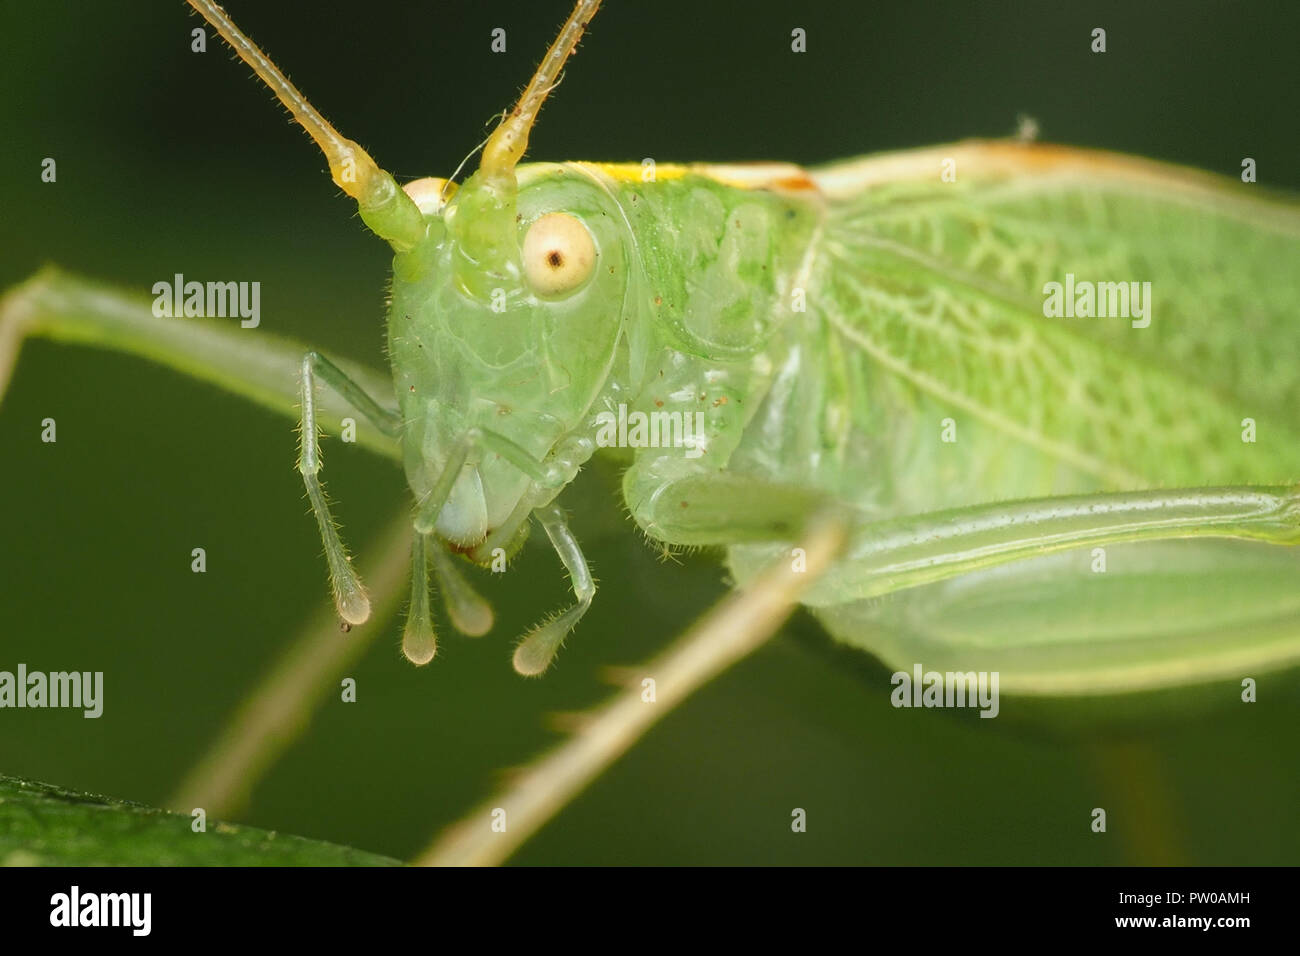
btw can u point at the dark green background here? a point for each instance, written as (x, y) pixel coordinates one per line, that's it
(170, 161)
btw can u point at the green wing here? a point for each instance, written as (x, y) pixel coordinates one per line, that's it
(935, 291)
(941, 285)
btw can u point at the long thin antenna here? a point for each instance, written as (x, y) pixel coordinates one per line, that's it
(385, 208)
(337, 149)
(510, 140)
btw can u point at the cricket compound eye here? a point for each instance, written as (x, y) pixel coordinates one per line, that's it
(559, 255)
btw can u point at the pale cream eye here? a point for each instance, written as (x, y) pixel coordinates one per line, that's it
(559, 254)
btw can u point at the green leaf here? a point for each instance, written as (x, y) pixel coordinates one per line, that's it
(44, 825)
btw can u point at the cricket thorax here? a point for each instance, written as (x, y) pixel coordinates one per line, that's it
(719, 270)
(725, 265)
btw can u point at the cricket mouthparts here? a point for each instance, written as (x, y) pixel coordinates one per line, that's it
(463, 521)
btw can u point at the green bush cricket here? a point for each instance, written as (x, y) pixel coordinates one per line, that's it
(1216, 591)
(869, 341)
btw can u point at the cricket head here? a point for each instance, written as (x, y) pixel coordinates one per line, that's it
(506, 312)
(504, 326)
(506, 305)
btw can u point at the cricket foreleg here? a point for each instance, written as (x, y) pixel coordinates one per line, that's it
(387, 420)
(538, 647)
(349, 594)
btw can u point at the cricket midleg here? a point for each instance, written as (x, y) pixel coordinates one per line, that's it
(349, 594)
(1121, 618)
(252, 363)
